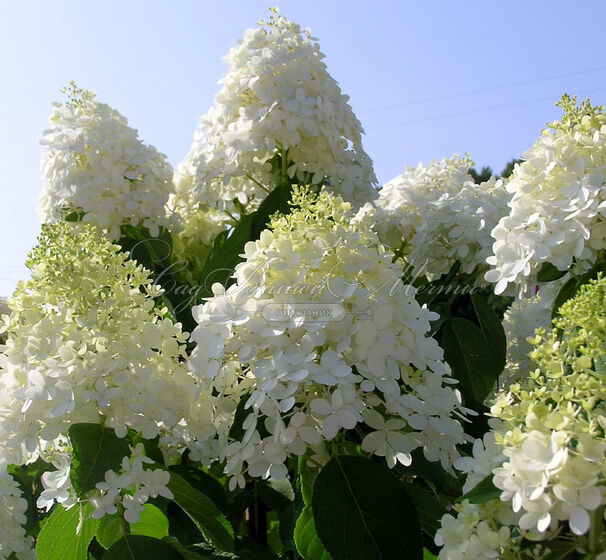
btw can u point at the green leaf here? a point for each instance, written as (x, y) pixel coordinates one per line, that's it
(60, 539)
(430, 508)
(549, 273)
(203, 512)
(205, 483)
(228, 246)
(276, 201)
(307, 476)
(307, 541)
(466, 352)
(493, 331)
(224, 256)
(96, 449)
(139, 547)
(428, 555)
(152, 523)
(567, 291)
(559, 549)
(484, 491)
(276, 494)
(75, 216)
(430, 471)
(362, 512)
(181, 526)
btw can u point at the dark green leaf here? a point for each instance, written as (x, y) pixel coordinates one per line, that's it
(466, 352)
(492, 329)
(276, 494)
(307, 541)
(428, 555)
(307, 476)
(224, 256)
(59, 538)
(549, 273)
(152, 450)
(484, 491)
(204, 483)
(288, 519)
(430, 471)
(138, 547)
(181, 526)
(75, 216)
(152, 523)
(228, 246)
(362, 512)
(567, 291)
(430, 508)
(559, 549)
(276, 201)
(203, 512)
(96, 449)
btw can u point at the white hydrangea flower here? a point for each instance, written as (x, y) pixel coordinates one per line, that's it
(315, 338)
(94, 163)
(486, 456)
(436, 215)
(57, 484)
(86, 343)
(558, 209)
(476, 533)
(546, 450)
(279, 115)
(520, 322)
(13, 507)
(132, 487)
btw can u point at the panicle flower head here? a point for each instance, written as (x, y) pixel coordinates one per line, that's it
(558, 206)
(547, 448)
(437, 215)
(87, 343)
(95, 165)
(279, 116)
(318, 335)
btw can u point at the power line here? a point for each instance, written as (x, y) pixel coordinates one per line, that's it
(483, 90)
(471, 111)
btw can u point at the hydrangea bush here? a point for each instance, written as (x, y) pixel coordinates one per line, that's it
(265, 356)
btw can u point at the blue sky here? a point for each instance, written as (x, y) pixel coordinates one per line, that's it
(427, 79)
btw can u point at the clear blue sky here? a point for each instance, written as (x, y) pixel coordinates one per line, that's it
(404, 65)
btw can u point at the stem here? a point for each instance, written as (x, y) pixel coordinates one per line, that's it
(122, 523)
(595, 532)
(257, 520)
(284, 169)
(251, 178)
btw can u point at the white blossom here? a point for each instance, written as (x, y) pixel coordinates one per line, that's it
(131, 487)
(436, 215)
(558, 205)
(95, 164)
(279, 116)
(315, 337)
(86, 343)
